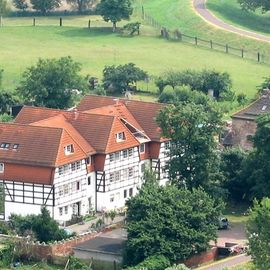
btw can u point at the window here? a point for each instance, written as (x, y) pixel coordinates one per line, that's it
(125, 174)
(117, 156)
(66, 210)
(111, 177)
(120, 136)
(130, 152)
(78, 165)
(143, 168)
(61, 191)
(111, 157)
(125, 193)
(89, 180)
(167, 145)
(78, 185)
(15, 146)
(74, 209)
(73, 166)
(117, 176)
(2, 167)
(61, 170)
(111, 198)
(66, 168)
(66, 189)
(117, 196)
(142, 148)
(61, 211)
(88, 160)
(73, 186)
(4, 145)
(130, 172)
(130, 192)
(69, 149)
(125, 153)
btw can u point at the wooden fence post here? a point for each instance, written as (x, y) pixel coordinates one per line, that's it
(61, 21)
(211, 44)
(227, 48)
(1, 21)
(89, 24)
(34, 21)
(242, 53)
(196, 41)
(259, 57)
(143, 16)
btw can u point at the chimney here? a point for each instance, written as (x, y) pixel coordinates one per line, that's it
(75, 114)
(211, 93)
(265, 93)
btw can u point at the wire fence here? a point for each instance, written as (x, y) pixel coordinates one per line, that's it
(177, 35)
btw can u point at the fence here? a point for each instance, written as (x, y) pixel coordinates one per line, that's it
(177, 35)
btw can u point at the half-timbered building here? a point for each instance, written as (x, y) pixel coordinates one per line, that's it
(73, 162)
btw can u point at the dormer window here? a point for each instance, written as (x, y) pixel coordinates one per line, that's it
(142, 148)
(4, 145)
(69, 149)
(120, 137)
(15, 146)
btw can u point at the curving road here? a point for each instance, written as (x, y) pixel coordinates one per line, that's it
(200, 8)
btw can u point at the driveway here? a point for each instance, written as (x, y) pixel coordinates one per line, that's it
(200, 8)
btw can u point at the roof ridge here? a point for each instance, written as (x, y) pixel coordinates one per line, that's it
(247, 106)
(44, 108)
(29, 125)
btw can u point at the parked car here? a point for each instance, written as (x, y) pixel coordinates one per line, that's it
(223, 223)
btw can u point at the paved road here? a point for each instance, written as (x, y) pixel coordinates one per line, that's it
(200, 7)
(232, 261)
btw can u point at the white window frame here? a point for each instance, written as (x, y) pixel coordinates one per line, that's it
(142, 148)
(130, 152)
(60, 211)
(125, 153)
(120, 136)
(66, 210)
(69, 149)
(112, 198)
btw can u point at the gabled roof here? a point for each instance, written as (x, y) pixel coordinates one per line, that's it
(258, 107)
(100, 130)
(143, 112)
(36, 145)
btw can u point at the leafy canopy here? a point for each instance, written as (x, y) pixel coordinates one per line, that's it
(193, 154)
(44, 6)
(20, 4)
(115, 10)
(258, 234)
(3, 8)
(81, 5)
(120, 78)
(165, 220)
(252, 5)
(52, 83)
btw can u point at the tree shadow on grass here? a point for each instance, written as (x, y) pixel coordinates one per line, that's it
(86, 32)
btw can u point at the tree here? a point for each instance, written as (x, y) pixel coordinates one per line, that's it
(115, 10)
(44, 6)
(52, 83)
(256, 169)
(119, 78)
(252, 5)
(165, 220)
(3, 8)
(258, 234)
(193, 154)
(7, 99)
(231, 167)
(81, 5)
(20, 4)
(132, 28)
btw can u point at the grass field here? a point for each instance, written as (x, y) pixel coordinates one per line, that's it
(231, 12)
(22, 45)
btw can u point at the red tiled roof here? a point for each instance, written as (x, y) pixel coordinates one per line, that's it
(143, 112)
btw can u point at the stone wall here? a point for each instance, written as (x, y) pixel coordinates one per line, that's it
(241, 129)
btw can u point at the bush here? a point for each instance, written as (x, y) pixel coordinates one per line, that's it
(177, 267)
(156, 262)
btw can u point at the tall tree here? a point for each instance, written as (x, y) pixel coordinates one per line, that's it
(44, 6)
(52, 83)
(176, 223)
(20, 4)
(81, 5)
(3, 7)
(119, 78)
(252, 5)
(258, 234)
(193, 154)
(7, 99)
(115, 10)
(256, 169)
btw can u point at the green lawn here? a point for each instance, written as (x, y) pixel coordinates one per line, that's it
(22, 45)
(179, 14)
(231, 12)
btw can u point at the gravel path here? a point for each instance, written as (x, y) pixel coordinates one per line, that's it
(200, 8)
